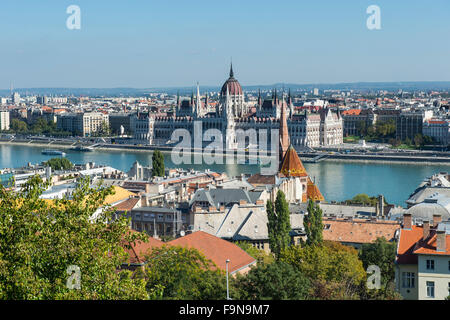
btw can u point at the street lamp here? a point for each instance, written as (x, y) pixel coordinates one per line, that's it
(226, 267)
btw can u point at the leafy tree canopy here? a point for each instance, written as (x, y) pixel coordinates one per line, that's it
(59, 164)
(158, 169)
(274, 281)
(279, 224)
(40, 240)
(331, 261)
(184, 274)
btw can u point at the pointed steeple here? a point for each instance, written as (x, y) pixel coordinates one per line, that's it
(284, 133)
(231, 70)
(290, 104)
(198, 102)
(192, 103)
(259, 98)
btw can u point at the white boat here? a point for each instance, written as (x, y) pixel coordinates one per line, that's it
(82, 148)
(53, 152)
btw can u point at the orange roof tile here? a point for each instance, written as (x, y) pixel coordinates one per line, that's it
(358, 230)
(291, 165)
(406, 245)
(259, 179)
(429, 247)
(313, 192)
(351, 112)
(216, 249)
(126, 205)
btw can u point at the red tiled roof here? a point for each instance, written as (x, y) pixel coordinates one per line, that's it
(313, 192)
(126, 205)
(406, 245)
(352, 112)
(436, 121)
(429, 247)
(216, 249)
(258, 179)
(139, 249)
(292, 166)
(359, 231)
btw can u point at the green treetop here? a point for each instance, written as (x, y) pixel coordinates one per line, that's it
(313, 225)
(158, 164)
(42, 241)
(279, 224)
(59, 164)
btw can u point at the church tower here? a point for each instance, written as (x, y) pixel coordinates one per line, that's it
(284, 133)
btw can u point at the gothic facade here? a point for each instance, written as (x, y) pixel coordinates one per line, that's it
(232, 113)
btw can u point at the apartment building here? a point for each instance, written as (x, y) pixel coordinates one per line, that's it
(438, 129)
(84, 124)
(410, 123)
(423, 259)
(4, 120)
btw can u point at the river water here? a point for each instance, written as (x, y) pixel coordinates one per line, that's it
(337, 180)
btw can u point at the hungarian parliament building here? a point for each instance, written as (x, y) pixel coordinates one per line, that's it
(232, 112)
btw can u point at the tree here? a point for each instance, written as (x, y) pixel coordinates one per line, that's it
(313, 225)
(382, 254)
(59, 164)
(330, 262)
(158, 164)
(418, 140)
(364, 199)
(260, 255)
(427, 140)
(105, 130)
(19, 126)
(184, 273)
(41, 239)
(274, 281)
(279, 224)
(408, 141)
(361, 127)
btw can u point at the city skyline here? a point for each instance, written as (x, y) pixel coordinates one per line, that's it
(151, 46)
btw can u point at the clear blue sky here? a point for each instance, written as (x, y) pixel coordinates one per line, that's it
(157, 43)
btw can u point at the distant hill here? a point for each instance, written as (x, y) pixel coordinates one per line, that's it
(126, 92)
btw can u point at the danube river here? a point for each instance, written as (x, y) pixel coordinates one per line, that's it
(337, 180)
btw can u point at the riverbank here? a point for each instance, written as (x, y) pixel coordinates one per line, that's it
(307, 157)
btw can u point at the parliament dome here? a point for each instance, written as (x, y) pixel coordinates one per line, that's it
(234, 87)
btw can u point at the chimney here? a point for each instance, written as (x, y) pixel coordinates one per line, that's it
(426, 229)
(143, 201)
(407, 221)
(259, 202)
(437, 218)
(440, 241)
